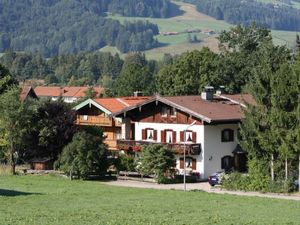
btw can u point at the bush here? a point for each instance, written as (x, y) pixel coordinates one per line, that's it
(125, 162)
(157, 160)
(85, 155)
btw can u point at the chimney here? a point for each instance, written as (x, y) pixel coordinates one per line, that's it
(138, 94)
(208, 93)
(221, 90)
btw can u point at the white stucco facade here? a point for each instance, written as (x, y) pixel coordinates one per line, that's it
(209, 136)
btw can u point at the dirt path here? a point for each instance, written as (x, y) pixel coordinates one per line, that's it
(190, 13)
(203, 186)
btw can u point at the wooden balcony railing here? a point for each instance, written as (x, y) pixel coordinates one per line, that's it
(178, 148)
(96, 120)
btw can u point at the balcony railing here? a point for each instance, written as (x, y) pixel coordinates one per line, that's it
(178, 148)
(96, 120)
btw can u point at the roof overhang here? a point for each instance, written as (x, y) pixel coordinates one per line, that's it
(158, 98)
(91, 102)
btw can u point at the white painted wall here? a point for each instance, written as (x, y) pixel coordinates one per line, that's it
(214, 149)
(199, 129)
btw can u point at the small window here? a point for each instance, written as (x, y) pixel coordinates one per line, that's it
(227, 135)
(173, 112)
(188, 136)
(164, 111)
(150, 134)
(169, 136)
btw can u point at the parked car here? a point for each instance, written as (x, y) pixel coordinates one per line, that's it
(215, 178)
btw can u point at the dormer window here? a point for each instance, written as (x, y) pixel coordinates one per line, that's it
(227, 135)
(173, 112)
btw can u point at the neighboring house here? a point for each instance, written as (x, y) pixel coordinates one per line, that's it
(97, 112)
(68, 94)
(209, 143)
(27, 91)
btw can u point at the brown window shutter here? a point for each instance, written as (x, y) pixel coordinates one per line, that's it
(162, 135)
(193, 164)
(181, 136)
(181, 163)
(174, 136)
(194, 137)
(144, 134)
(155, 135)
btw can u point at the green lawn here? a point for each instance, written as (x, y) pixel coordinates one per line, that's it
(54, 200)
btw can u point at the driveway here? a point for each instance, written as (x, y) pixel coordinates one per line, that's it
(203, 186)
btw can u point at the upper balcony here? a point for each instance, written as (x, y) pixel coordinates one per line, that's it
(97, 121)
(178, 148)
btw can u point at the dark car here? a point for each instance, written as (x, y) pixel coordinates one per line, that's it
(215, 178)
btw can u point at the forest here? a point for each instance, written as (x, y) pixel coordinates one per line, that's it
(52, 27)
(277, 17)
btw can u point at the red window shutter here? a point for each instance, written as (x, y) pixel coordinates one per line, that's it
(181, 136)
(144, 134)
(194, 137)
(181, 163)
(193, 164)
(155, 135)
(174, 137)
(162, 135)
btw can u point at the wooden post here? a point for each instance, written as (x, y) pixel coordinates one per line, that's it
(272, 167)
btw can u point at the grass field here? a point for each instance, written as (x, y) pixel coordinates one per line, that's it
(58, 201)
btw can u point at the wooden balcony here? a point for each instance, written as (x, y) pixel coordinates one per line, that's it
(178, 148)
(97, 121)
(112, 144)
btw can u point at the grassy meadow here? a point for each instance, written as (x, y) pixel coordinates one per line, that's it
(192, 19)
(59, 201)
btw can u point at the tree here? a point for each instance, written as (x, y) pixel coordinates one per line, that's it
(5, 79)
(15, 118)
(157, 160)
(86, 154)
(54, 128)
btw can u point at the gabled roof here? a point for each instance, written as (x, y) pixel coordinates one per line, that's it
(220, 109)
(75, 92)
(112, 105)
(27, 91)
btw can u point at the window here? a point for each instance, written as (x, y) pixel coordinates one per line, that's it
(169, 136)
(188, 136)
(190, 163)
(164, 111)
(150, 134)
(173, 112)
(227, 135)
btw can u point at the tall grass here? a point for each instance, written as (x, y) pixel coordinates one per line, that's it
(5, 169)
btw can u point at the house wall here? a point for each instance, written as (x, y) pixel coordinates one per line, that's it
(199, 129)
(214, 149)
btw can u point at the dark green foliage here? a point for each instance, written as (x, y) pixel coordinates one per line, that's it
(85, 155)
(125, 162)
(53, 127)
(278, 17)
(136, 75)
(157, 160)
(64, 27)
(6, 80)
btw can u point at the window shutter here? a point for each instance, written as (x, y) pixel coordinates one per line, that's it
(193, 164)
(144, 134)
(155, 135)
(181, 163)
(182, 136)
(194, 137)
(174, 137)
(162, 136)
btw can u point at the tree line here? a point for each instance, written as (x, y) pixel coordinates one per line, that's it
(63, 27)
(278, 17)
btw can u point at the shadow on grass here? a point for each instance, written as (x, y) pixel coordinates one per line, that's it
(13, 193)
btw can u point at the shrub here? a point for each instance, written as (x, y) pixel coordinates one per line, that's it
(157, 160)
(86, 154)
(125, 162)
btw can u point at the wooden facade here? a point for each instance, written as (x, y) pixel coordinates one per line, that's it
(91, 115)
